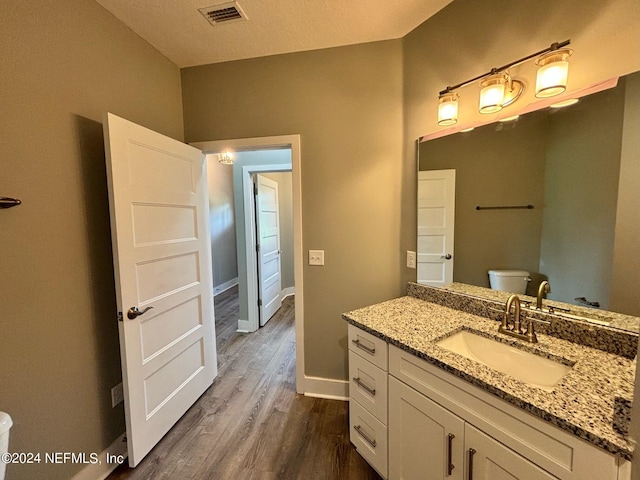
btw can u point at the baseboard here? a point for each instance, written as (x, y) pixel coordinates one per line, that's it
(225, 286)
(326, 388)
(99, 471)
(243, 326)
(287, 292)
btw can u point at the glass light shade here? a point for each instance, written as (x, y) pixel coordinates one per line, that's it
(448, 109)
(553, 73)
(492, 93)
(225, 158)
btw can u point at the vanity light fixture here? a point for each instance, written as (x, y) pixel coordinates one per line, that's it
(225, 158)
(498, 89)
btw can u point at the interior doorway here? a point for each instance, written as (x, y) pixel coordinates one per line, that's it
(249, 291)
(273, 223)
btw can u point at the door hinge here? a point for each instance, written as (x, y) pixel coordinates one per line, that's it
(259, 302)
(258, 248)
(255, 189)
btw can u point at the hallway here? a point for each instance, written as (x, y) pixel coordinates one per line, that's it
(251, 424)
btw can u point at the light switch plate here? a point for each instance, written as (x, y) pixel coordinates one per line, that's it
(117, 395)
(411, 259)
(316, 257)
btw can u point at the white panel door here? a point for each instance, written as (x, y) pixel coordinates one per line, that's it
(268, 234)
(436, 214)
(164, 288)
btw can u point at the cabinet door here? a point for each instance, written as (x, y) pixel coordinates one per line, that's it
(425, 440)
(487, 459)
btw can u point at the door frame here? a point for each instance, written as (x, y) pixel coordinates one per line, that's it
(266, 143)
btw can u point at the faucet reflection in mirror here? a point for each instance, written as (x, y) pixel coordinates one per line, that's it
(499, 89)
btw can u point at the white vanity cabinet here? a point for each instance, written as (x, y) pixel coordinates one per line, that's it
(368, 397)
(506, 442)
(425, 423)
(428, 442)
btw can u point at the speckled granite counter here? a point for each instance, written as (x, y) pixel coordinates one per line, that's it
(582, 403)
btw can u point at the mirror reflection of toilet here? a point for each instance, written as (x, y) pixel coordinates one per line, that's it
(512, 281)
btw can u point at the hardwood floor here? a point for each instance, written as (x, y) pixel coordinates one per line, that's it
(250, 424)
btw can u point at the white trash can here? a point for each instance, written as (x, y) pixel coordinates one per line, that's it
(5, 426)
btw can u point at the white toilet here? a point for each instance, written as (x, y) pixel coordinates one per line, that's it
(5, 426)
(513, 281)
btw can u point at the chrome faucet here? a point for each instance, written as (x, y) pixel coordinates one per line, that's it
(514, 329)
(543, 289)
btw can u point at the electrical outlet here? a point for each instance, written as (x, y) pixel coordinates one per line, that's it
(411, 259)
(117, 395)
(316, 257)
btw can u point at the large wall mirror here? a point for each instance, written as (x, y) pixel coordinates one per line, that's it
(570, 164)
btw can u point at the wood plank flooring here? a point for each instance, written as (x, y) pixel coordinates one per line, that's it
(250, 424)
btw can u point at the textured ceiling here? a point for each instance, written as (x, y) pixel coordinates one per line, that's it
(178, 30)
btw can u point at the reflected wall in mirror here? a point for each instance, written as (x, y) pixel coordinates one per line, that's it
(579, 167)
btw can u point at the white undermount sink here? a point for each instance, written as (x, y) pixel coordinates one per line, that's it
(527, 367)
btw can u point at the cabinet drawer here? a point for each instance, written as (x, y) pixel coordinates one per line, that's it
(368, 385)
(369, 436)
(369, 346)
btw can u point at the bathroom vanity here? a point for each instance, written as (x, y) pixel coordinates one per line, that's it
(420, 410)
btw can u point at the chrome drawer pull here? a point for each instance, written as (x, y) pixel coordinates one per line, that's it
(372, 391)
(450, 466)
(366, 438)
(357, 343)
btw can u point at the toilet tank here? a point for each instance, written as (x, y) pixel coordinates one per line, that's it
(513, 281)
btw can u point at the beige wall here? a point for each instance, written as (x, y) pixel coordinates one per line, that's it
(346, 103)
(626, 251)
(285, 206)
(352, 106)
(222, 221)
(499, 164)
(464, 40)
(64, 64)
(581, 192)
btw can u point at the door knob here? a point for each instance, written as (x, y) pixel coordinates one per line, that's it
(447, 256)
(133, 312)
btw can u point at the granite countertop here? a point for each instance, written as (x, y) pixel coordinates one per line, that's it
(582, 403)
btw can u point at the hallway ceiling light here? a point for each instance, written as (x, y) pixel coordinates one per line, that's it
(225, 158)
(498, 89)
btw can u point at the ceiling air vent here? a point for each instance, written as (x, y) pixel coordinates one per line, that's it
(223, 13)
